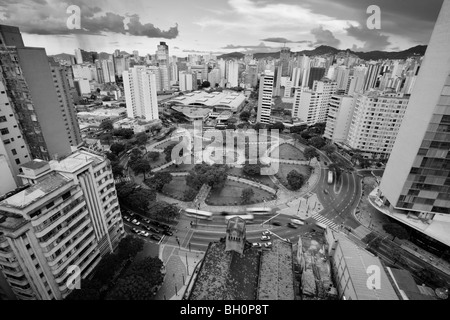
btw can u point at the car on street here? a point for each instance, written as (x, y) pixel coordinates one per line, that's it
(144, 233)
(146, 227)
(164, 226)
(146, 220)
(155, 237)
(297, 222)
(154, 230)
(266, 233)
(134, 221)
(256, 245)
(292, 225)
(276, 223)
(135, 230)
(167, 232)
(127, 218)
(265, 238)
(268, 244)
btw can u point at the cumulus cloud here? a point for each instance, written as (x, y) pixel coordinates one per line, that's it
(282, 40)
(49, 17)
(372, 39)
(324, 37)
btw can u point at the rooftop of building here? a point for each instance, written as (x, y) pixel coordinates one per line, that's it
(276, 274)
(405, 283)
(357, 261)
(35, 164)
(77, 160)
(226, 98)
(227, 275)
(51, 182)
(192, 112)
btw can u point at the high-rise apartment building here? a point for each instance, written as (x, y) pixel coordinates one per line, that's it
(376, 121)
(285, 55)
(340, 114)
(67, 215)
(162, 58)
(315, 74)
(140, 93)
(372, 75)
(415, 188)
(266, 84)
(311, 105)
(232, 73)
(65, 99)
(186, 80)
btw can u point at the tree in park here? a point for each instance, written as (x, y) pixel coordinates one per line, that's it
(206, 84)
(117, 169)
(168, 152)
(317, 142)
(141, 198)
(247, 195)
(244, 116)
(140, 282)
(396, 230)
(125, 189)
(189, 194)
(295, 179)
(214, 175)
(231, 126)
(107, 267)
(130, 246)
(141, 166)
(252, 169)
(117, 148)
(141, 138)
(258, 126)
(89, 290)
(159, 179)
(329, 149)
(372, 240)
(311, 153)
(153, 155)
(111, 156)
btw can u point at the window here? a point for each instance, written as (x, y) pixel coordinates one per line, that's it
(13, 151)
(4, 131)
(17, 161)
(7, 141)
(49, 205)
(2, 119)
(65, 195)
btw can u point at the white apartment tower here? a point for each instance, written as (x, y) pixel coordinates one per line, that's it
(140, 93)
(265, 97)
(232, 73)
(340, 114)
(311, 106)
(376, 121)
(67, 215)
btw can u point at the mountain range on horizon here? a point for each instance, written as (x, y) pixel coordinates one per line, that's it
(319, 51)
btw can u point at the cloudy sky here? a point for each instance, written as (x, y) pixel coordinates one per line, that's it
(190, 26)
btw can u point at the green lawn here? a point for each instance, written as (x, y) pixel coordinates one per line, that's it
(286, 168)
(289, 152)
(176, 187)
(231, 194)
(261, 179)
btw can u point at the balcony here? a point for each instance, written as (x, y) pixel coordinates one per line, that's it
(8, 254)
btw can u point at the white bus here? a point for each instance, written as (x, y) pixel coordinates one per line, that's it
(330, 177)
(246, 217)
(198, 214)
(259, 211)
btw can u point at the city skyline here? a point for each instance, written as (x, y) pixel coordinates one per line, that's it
(190, 28)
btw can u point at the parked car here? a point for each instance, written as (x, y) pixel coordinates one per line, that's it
(144, 233)
(155, 237)
(266, 233)
(135, 230)
(292, 225)
(268, 244)
(256, 245)
(297, 222)
(154, 230)
(127, 218)
(146, 220)
(134, 221)
(276, 223)
(164, 226)
(265, 238)
(146, 227)
(155, 223)
(167, 232)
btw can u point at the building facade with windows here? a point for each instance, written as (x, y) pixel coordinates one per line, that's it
(67, 215)
(265, 97)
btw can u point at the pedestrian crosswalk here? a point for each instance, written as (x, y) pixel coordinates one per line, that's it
(316, 216)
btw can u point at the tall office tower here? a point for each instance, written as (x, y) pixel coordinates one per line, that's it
(373, 72)
(78, 56)
(109, 72)
(100, 78)
(265, 97)
(232, 73)
(162, 58)
(61, 82)
(30, 88)
(222, 67)
(415, 188)
(11, 36)
(136, 55)
(376, 121)
(187, 80)
(296, 77)
(173, 66)
(69, 215)
(277, 87)
(13, 146)
(409, 82)
(311, 106)
(119, 65)
(82, 56)
(81, 72)
(315, 74)
(116, 53)
(332, 72)
(214, 77)
(140, 93)
(285, 56)
(340, 113)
